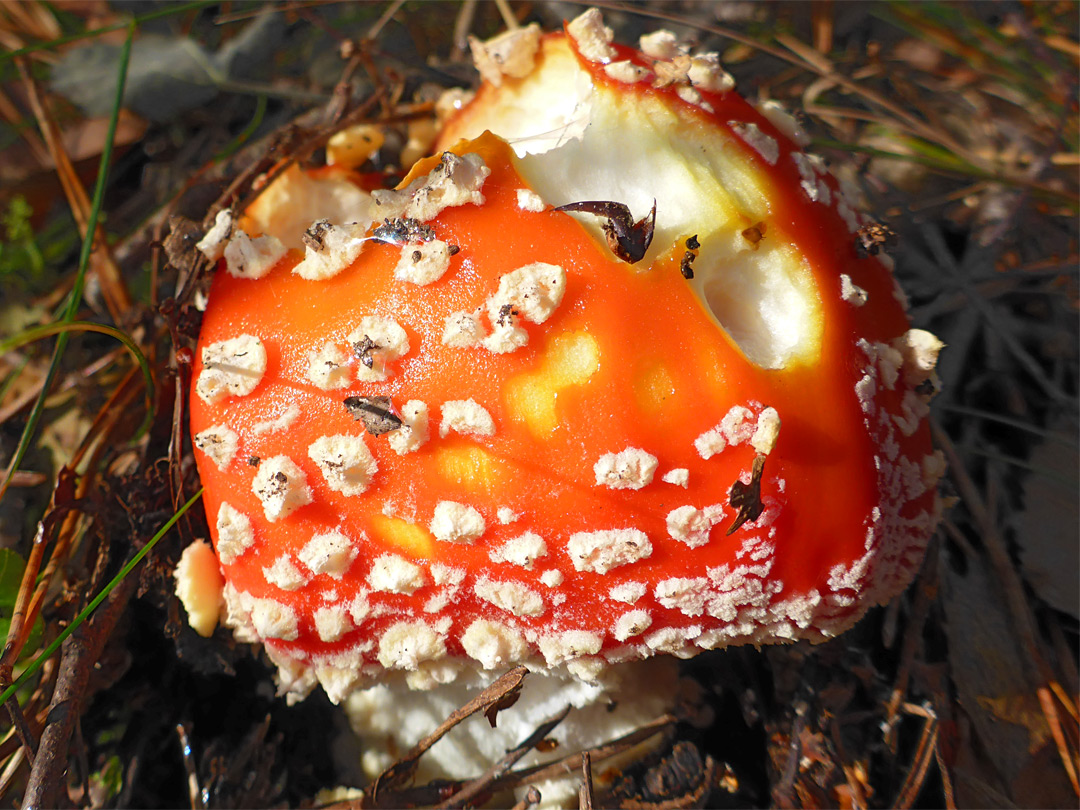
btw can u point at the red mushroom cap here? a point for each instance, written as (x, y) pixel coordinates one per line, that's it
(477, 436)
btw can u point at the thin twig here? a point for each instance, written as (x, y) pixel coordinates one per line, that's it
(496, 694)
(478, 786)
(585, 794)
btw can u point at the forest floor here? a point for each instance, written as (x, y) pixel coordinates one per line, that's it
(958, 121)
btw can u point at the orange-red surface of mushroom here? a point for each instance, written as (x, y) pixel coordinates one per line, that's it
(604, 481)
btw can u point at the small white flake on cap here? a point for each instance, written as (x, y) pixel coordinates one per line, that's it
(523, 550)
(920, 350)
(691, 525)
(231, 368)
(687, 594)
(592, 37)
(603, 550)
(660, 44)
(691, 95)
(332, 622)
(329, 553)
(680, 477)
(272, 619)
(506, 337)
(553, 578)
(346, 463)
(454, 181)
(456, 523)
(529, 200)
(405, 645)
(707, 73)
(764, 145)
(282, 421)
(393, 574)
(737, 425)
(765, 434)
(328, 368)
(219, 443)
(849, 291)
(630, 624)
(359, 608)
(709, 443)
(329, 249)
(534, 291)
(413, 432)
(632, 468)
(628, 592)
(252, 258)
(506, 515)
(513, 597)
(466, 416)
(626, 72)
(511, 53)
(212, 246)
(234, 533)
(423, 263)
(281, 486)
(493, 644)
(378, 341)
(284, 574)
(784, 121)
(560, 647)
(463, 330)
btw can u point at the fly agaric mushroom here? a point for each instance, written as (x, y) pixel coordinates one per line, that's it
(508, 425)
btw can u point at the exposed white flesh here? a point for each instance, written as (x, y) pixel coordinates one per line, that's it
(576, 141)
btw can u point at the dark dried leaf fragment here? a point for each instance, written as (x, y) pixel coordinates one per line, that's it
(504, 702)
(377, 414)
(400, 230)
(179, 245)
(313, 237)
(363, 349)
(754, 234)
(871, 239)
(746, 498)
(686, 265)
(627, 239)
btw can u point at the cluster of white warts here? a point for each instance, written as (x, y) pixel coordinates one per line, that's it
(533, 292)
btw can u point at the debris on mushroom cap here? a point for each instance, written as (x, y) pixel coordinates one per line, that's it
(662, 464)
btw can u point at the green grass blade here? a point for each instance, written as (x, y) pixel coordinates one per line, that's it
(39, 332)
(84, 262)
(84, 614)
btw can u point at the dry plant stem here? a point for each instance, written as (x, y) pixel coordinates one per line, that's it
(569, 764)
(194, 791)
(1022, 619)
(30, 394)
(462, 27)
(471, 790)
(105, 423)
(117, 297)
(925, 594)
(80, 652)
(491, 697)
(26, 736)
(924, 755)
(585, 796)
(12, 646)
(531, 798)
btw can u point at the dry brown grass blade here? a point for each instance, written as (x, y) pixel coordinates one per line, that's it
(921, 760)
(113, 287)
